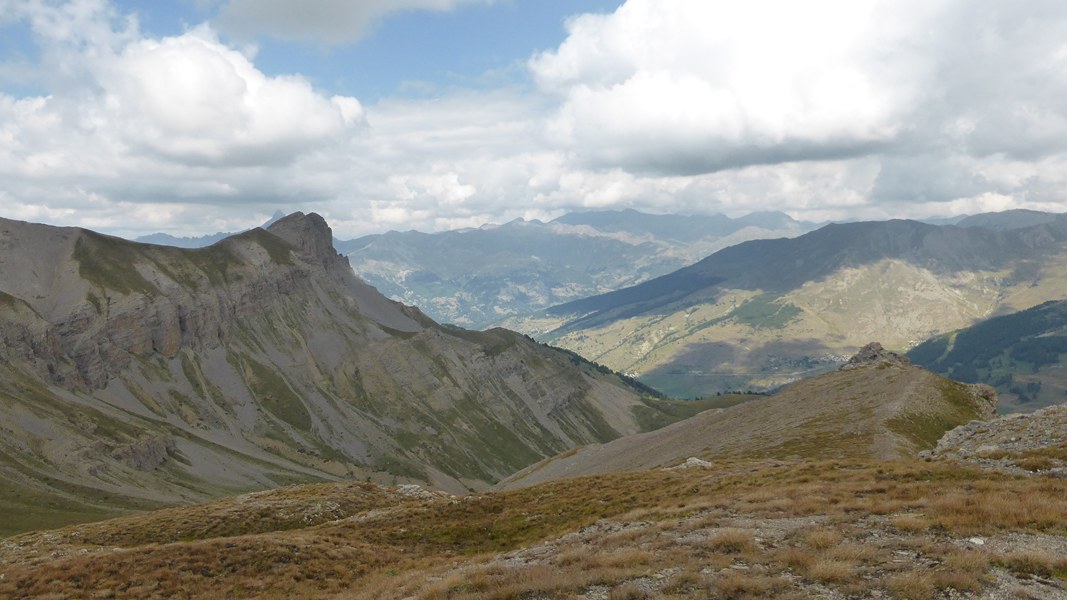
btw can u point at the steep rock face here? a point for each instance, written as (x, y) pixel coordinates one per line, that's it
(163, 373)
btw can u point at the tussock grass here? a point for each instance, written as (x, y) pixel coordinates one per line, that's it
(822, 538)
(604, 531)
(732, 541)
(832, 570)
(737, 586)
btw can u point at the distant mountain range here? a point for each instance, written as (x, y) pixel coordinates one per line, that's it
(480, 277)
(201, 241)
(764, 312)
(685, 303)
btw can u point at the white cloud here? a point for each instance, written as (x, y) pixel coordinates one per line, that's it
(859, 109)
(163, 122)
(327, 21)
(193, 100)
(683, 86)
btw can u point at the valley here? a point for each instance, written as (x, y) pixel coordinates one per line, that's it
(764, 313)
(137, 376)
(251, 419)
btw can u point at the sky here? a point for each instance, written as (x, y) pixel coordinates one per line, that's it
(196, 116)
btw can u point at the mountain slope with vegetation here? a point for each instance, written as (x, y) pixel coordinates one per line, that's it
(1023, 355)
(137, 375)
(766, 312)
(877, 406)
(777, 526)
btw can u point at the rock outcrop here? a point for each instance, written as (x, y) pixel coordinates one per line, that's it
(875, 355)
(262, 360)
(1025, 444)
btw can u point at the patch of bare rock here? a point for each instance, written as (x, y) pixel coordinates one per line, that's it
(1022, 444)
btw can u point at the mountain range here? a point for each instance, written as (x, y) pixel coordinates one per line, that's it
(137, 375)
(134, 376)
(480, 277)
(765, 312)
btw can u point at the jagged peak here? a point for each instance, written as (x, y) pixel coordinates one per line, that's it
(874, 354)
(309, 233)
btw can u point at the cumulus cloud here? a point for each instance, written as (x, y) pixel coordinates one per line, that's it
(129, 119)
(680, 86)
(330, 21)
(825, 109)
(191, 99)
(689, 87)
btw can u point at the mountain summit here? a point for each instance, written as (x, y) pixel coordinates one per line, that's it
(134, 375)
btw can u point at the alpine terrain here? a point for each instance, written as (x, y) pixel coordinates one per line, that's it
(818, 493)
(762, 313)
(1022, 354)
(496, 273)
(134, 375)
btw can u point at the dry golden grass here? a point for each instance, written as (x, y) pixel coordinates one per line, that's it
(624, 527)
(732, 541)
(1041, 564)
(911, 586)
(909, 523)
(736, 585)
(822, 538)
(831, 570)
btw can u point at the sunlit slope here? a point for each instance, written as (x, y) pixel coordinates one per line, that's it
(764, 313)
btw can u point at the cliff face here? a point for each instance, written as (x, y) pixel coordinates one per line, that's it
(162, 373)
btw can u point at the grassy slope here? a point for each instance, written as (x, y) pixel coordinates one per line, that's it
(870, 412)
(793, 527)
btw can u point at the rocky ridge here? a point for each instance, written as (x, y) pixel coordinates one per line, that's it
(879, 407)
(874, 354)
(140, 374)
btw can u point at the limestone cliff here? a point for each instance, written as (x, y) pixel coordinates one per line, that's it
(162, 373)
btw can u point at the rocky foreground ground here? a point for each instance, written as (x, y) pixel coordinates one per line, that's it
(795, 529)
(1021, 444)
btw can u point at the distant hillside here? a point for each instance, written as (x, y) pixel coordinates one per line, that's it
(1009, 219)
(765, 312)
(1023, 355)
(497, 273)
